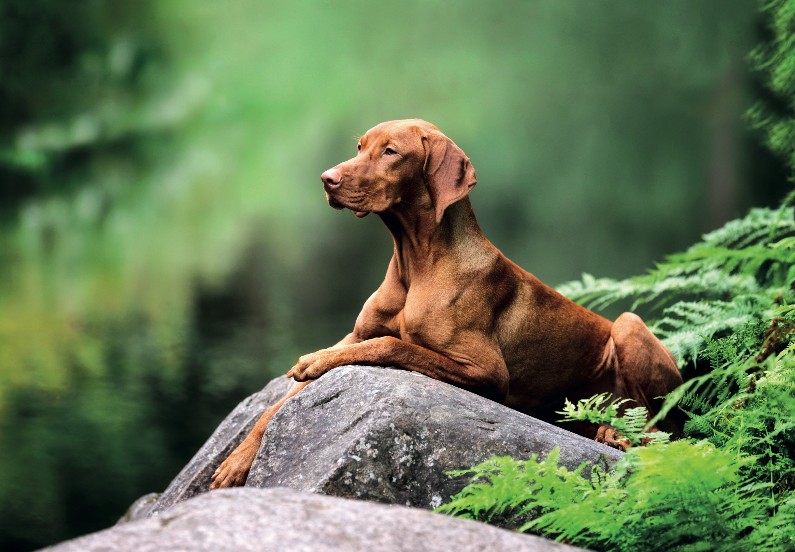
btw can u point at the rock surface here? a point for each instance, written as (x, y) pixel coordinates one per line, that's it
(281, 519)
(377, 434)
(391, 436)
(195, 477)
(141, 508)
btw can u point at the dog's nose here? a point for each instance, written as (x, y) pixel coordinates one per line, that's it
(332, 178)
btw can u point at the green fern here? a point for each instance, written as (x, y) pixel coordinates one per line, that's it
(603, 409)
(776, 58)
(687, 326)
(749, 409)
(739, 259)
(736, 276)
(681, 496)
(511, 490)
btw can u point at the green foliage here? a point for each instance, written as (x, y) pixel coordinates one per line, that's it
(679, 496)
(775, 58)
(602, 410)
(734, 277)
(508, 490)
(748, 407)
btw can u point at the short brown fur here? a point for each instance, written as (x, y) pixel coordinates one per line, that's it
(454, 308)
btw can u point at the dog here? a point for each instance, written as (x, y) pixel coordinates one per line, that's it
(454, 308)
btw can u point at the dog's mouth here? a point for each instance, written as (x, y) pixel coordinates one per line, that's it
(336, 204)
(333, 202)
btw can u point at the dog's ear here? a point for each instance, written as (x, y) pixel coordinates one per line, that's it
(448, 173)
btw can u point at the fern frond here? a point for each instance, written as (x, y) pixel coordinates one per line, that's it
(686, 326)
(727, 263)
(603, 409)
(758, 226)
(673, 496)
(660, 288)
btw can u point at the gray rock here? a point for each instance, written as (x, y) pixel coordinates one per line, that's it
(390, 436)
(376, 434)
(140, 509)
(195, 477)
(281, 519)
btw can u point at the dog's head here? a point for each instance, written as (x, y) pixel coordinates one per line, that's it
(408, 161)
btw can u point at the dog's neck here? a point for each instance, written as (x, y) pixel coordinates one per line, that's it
(420, 242)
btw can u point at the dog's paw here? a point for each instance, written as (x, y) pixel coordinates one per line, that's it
(610, 437)
(234, 470)
(312, 366)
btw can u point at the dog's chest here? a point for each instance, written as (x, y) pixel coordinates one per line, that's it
(429, 315)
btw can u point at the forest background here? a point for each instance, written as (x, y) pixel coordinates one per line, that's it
(165, 246)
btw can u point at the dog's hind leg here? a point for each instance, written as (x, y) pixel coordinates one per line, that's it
(643, 370)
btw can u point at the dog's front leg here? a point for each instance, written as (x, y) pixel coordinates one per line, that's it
(233, 471)
(481, 371)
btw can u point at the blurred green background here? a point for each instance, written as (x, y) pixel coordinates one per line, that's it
(165, 245)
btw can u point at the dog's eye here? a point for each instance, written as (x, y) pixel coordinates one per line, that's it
(358, 147)
(389, 151)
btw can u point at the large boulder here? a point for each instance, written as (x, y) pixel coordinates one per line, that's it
(282, 519)
(195, 477)
(377, 434)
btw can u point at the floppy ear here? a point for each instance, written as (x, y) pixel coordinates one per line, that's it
(447, 171)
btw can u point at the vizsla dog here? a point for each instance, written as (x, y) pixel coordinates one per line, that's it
(454, 308)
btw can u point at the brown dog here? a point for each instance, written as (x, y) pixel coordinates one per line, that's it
(454, 308)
